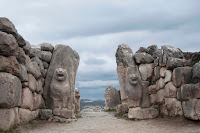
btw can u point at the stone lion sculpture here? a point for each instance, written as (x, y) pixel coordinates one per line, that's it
(133, 91)
(60, 91)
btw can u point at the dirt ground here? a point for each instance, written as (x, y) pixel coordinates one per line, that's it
(105, 122)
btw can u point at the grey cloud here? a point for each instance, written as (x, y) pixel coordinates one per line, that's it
(95, 61)
(96, 28)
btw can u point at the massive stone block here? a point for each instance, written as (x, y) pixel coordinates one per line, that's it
(143, 58)
(138, 113)
(146, 71)
(8, 45)
(172, 107)
(181, 76)
(7, 26)
(8, 118)
(189, 91)
(46, 56)
(46, 47)
(170, 90)
(125, 66)
(27, 99)
(112, 97)
(10, 91)
(191, 109)
(66, 58)
(196, 72)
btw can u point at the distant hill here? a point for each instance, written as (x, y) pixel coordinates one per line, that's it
(88, 102)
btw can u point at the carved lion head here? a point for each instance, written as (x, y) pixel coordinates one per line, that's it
(60, 74)
(133, 79)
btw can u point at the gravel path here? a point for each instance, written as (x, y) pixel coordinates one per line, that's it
(104, 122)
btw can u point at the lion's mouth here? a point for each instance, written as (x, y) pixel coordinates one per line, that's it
(60, 75)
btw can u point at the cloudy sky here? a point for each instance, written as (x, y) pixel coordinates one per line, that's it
(95, 28)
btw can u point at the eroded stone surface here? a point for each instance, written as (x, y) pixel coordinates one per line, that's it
(138, 113)
(10, 91)
(112, 97)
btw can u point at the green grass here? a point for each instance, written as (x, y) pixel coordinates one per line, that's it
(112, 110)
(12, 130)
(192, 63)
(31, 122)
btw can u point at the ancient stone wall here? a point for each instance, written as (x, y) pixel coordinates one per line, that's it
(158, 81)
(25, 71)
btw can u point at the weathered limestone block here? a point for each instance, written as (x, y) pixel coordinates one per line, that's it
(163, 71)
(170, 90)
(46, 114)
(36, 70)
(8, 118)
(46, 56)
(189, 91)
(181, 76)
(27, 99)
(151, 49)
(170, 51)
(7, 26)
(122, 108)
(124, 55)
(65, 113)
(157, 55)
(32, 68)
(32, 83)
(146, 71)
(172, 107)
(174, 62)
(160, 96)
(168, 76)
(35, 51)
(191, 109)
(152, 89)
(8, 45)
(10, 91)
(21, 56)
(26, 115)
(20, 40)
(39, 62)
(27, 48)
(141, 50)
(196, 72)
(142, 58)
(161, 83)
(134, 91)
(38, 101)
(141, 114)
(77, 100)
(66, 58)
(45, 64)
(153, 99)
(157, 72)
(112, 97)
(39, 83)
(9, 65)
(46, 47)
